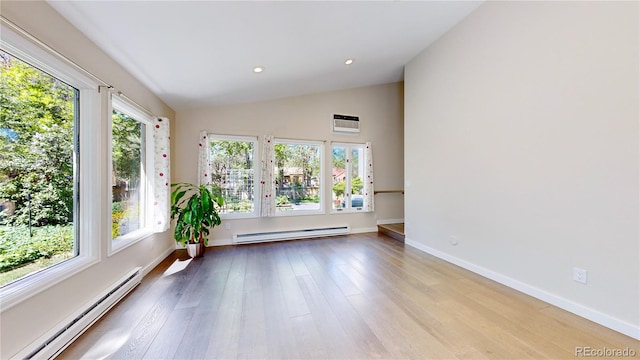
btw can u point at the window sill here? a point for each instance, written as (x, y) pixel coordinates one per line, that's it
(20, 290)
(231, 216)
(124, 242)
(300, 213)
(348, 211)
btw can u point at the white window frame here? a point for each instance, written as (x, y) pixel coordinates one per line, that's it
(323, 186)
(348, 171)
(256, 173)
(87, 211)
(146, 186)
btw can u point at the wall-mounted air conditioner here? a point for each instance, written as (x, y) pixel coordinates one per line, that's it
(346, 124)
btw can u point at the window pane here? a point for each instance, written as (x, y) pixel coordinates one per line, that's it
(339, 176)
(232, 170)
(357, 174)
(37, 169)
(297, 172)
(128, 158)
(348, 172)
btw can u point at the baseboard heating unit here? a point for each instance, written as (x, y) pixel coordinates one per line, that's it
(289, 234)
(54, 342)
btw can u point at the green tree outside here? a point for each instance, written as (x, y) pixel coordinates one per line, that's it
(36, 144)
(356, 186)
(37, 120)
(232, 171)
(300, 157)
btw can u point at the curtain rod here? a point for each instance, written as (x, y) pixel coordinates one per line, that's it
(54, 52)
(132, 102)
(48, 48)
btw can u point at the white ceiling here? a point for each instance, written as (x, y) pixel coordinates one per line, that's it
(201, 53)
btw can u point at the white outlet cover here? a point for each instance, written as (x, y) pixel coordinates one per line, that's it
(580, 275)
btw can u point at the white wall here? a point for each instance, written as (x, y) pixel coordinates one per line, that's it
(521, 140)
(25, 322)
(307, 117)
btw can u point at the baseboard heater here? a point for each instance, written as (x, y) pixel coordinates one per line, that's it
(289, 234)
(54, 342)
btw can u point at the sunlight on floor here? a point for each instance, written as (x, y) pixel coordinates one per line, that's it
(176, 267)
(108, 345)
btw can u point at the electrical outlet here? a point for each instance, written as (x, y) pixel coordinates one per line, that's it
(227, 226)
(453, 240)
(580, 275)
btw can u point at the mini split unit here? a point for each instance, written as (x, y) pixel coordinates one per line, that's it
(345, 124)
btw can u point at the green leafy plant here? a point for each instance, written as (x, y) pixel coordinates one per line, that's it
(36, 145)
(195, 209)
(121, 212)
(117, 214)
(17, 248)
(282, 200)
(356, 185)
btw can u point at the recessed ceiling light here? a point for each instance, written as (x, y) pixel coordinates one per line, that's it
(348, 62)
(258, 69)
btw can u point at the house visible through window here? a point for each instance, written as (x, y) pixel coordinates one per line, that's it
(38, 168)
(232, 168)
(297, 171)
(347, 174)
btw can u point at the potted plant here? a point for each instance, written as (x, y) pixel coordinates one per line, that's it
(195, 209)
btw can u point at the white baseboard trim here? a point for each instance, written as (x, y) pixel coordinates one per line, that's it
(389, 221)
(147, 269)
(58, 338)
(229, 241)
(364, 230)
(565, 304)
(220, 242)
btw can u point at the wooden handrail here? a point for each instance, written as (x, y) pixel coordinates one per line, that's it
(388, 192)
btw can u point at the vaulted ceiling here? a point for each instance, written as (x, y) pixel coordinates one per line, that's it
(202, 53)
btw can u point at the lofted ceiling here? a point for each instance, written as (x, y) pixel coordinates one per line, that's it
(202, 53)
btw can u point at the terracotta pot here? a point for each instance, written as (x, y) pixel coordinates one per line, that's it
(195, 250)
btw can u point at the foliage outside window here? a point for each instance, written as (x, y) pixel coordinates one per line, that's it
(297, 170)
(347, 173)
(232, 167)
(128, 157)
(37, 169)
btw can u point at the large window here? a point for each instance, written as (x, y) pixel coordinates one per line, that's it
(298, 175)
(130, 161)
(49, 138)
(232, 161)
(38, 118)
(347, 174)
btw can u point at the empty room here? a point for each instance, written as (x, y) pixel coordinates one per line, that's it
(319, 179)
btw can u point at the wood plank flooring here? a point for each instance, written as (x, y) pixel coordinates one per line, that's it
(362, 296)
(395, 231)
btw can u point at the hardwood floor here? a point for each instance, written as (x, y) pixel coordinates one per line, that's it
(395, 231)
(361, 296)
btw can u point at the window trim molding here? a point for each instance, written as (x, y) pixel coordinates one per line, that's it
(20, 290)
(122, 242)
(256, 172)
(88, 147)
(321, 176)
(349, 147)
(43, 60)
